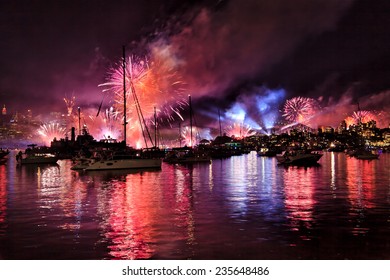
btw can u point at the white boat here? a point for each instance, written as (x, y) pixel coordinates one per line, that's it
(298, 157)
(111, 159)
(93, 164)
(123, 157)
(81, 163)
(124, 163)
(33, 155)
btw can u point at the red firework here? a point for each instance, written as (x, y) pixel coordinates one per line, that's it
(50, 131)
(239, 130)
(300, 109)
(150, 85)
(363, 117)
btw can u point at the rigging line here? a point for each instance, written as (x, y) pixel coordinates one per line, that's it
(141, 116)
(100, 106)
(138, 113)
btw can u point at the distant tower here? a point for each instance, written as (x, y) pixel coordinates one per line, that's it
(4, 111)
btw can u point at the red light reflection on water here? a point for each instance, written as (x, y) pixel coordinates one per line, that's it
(360, 182)
(299, 201)
(130, 213)
(136, 212)
(3, 193)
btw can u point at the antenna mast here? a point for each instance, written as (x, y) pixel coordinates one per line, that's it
(124, 95)
(189, 101)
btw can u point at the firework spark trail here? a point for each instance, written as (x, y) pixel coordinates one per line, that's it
(49, 131)
(104, 126)
(363, 116)
(198, 134)
(300, 109)
(70, 104)
(239, 130)
(152, 84)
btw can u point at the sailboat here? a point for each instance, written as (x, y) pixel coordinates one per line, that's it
(120, 158)
(186, 154)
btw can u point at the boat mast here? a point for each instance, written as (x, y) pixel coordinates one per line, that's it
(124, 95)
(219, 119)
(79, 121)
(179, 134)
(189, 101)
(155, 128)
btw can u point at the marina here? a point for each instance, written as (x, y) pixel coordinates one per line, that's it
(237, 132)
(241, 207)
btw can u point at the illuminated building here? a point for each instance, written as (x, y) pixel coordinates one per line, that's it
(4, 111)
(342, 127)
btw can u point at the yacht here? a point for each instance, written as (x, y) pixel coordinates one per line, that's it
(36, 155)
(118, 155)
(298, 157)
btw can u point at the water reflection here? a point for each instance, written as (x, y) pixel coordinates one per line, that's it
(360, 183)
(243, 207)
(59, 193)
(3, 195)
(299, 188)
(139, 216)
(252, 189)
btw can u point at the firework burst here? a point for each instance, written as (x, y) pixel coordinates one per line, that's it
(300, 109)
(51, 131)
(150, 85)
(197, 135)
(363, 116)
(106, 125)
(70, 104)
(238, 130)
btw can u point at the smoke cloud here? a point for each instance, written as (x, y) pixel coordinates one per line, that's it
(221, 48)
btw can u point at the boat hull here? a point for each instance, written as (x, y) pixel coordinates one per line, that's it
(38, 160)
(372, 156)
(117, 164)
(302, 159)
(188, 160)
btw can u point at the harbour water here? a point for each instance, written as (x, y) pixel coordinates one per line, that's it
(243, 207)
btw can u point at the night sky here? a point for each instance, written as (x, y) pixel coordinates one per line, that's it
(333, 51)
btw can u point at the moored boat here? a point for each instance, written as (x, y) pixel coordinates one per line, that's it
(124, 163)
(366, 154)
(299, 157)
(118, 156)
(187, 155)
(268, 152)
(36, 155)
(111, 159)
(3, 153)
